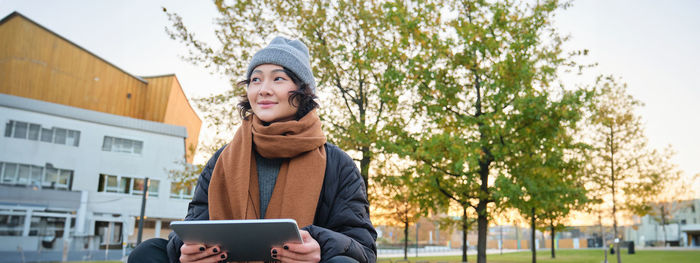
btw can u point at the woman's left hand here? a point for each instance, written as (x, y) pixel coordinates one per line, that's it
(310, 251)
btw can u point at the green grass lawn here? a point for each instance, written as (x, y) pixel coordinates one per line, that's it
(576, 256)
(564, 256)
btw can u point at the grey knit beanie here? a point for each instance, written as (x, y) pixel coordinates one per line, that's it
(291, 54)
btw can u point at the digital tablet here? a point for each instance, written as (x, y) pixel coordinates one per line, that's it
(244, 240)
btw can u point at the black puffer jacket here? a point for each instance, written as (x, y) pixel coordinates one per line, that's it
(341, 225)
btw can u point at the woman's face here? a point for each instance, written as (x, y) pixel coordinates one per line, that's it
(268, 93)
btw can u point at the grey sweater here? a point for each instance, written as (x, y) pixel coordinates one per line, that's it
(268, 169)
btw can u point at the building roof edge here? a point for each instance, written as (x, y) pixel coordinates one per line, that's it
(60, 110)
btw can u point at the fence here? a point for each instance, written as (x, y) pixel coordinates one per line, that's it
(57, 250)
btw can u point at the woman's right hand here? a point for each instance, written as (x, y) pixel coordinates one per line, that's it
(200, 253)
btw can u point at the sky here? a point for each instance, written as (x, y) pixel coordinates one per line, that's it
(650, 45)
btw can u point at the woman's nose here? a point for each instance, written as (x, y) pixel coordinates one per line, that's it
(265, 88)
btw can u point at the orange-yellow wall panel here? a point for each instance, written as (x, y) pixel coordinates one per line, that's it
(179, 112)
(158, 94)
(510, 244)
(492, 244)
(46, 67)
(524, 244)
(566, 243)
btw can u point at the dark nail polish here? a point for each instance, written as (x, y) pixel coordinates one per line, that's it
(274, 255)
(286, 247)
(216, 250)
(274, 251)
(202, 248)
(223, 255)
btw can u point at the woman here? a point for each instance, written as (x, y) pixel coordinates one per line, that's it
(278, 165)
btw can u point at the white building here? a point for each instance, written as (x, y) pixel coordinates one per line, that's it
(682, 226)
(73, 174)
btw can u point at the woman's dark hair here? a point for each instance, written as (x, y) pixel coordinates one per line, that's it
(302, 95)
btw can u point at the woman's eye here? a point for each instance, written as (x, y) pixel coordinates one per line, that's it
(254, 79)
(279, 78)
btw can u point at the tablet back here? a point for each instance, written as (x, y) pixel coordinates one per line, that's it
(244, 240)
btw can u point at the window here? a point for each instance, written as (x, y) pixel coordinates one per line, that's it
(23, 174)
(59, 136)
(181, 192)
(20, 130)
(46, 135)
(101, 183)
(9, 174)
(44, 226)
(108, 183)
(109, 233)
(8, 129)
(27, 174)
(12, 225)
(35, 176)
(138, 186)
(126, 185)
(73, 137)
(107, 144)
(34, 132)
(114, 144)
(152, 187)
(64, 177)
(50, 177)
(60, 178)
(112, 185)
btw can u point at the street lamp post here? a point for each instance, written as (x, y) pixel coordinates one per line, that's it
(143, 209)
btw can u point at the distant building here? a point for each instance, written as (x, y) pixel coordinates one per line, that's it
(79, 136)
(508, 237)
(682, 226)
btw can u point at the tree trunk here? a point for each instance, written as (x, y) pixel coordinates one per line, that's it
(482, 224)
(553, 253)
(602, 237)
(663, 223)
(481, 207)
(484, 163)
(364, 165)
(617, 238)
(517, 236)
(612, 180)
(465, 228)
(405, 239)
(500, 246)
(532, 236)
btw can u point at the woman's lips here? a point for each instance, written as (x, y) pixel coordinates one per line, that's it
(266, 104)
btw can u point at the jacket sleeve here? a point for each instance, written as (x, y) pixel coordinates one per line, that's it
(342, 225)
(198, 208)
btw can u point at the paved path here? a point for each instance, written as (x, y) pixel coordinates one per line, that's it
(444, 251)
(56, 256)
(436, 251)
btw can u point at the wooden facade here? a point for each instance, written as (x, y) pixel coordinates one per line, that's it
(39, 64)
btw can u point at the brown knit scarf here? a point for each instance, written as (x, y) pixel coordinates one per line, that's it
(234, 191)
